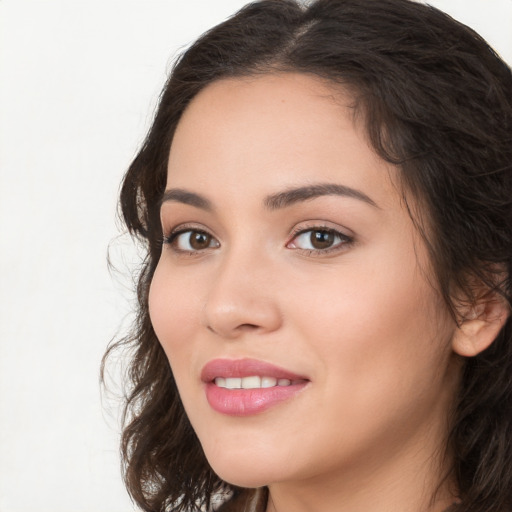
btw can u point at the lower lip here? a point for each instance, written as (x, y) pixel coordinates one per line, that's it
(246, 402)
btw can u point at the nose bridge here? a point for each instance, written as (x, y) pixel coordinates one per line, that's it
(241, 296)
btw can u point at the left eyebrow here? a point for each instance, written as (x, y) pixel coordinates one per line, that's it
(180, 195)
(299, 194)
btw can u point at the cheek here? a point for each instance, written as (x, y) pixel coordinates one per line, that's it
(376, 322)
(173, 312)
(379, 342)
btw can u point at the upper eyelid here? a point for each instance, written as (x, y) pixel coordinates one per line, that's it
(184, 229)
(320, 228)
(321, 225)
(316, 228)
(347, 237)
(186, 226)
(169, 235)
(295, 231)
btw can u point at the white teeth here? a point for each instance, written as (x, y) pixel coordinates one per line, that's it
(268, 382)
(252, 382)
(233, 383)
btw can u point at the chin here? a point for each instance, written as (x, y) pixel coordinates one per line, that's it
(242, 471)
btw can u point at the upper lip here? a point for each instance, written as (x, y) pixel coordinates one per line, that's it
(245, 368)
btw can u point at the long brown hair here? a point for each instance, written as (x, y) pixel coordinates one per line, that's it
(437, 102)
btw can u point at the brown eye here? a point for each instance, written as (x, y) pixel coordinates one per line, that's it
(192, 240)
(322, 239)
(199, 240)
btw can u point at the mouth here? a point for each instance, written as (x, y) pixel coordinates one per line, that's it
(244, 387)
(253, 382)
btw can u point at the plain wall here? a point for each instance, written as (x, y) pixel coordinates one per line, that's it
(79, 81)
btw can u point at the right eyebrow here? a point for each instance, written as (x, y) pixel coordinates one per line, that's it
(300, 194)
(184, 196)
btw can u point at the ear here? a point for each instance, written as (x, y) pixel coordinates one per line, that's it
(480, 325)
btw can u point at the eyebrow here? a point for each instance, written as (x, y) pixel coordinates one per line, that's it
(276, 201)
(296, 195)
(180, 195)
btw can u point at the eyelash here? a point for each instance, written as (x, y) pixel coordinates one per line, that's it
(172, 239)
(343, 242)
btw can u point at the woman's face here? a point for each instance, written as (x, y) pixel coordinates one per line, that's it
(292, 296)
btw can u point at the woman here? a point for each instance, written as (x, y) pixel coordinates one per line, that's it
(324, 311)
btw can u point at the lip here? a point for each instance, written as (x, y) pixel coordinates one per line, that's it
(246, 402)
(245, 368)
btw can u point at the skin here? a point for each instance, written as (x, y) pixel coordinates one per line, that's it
(360, 320)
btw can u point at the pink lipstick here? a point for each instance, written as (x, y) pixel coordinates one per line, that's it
(242, 387)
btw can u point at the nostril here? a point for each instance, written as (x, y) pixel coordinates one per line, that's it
(240, 328)
(247, 327)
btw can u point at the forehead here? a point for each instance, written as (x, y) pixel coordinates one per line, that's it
(271, 132)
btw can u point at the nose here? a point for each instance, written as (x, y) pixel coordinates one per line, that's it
(242, 298)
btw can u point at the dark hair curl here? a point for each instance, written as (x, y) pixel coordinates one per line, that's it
(437, 102)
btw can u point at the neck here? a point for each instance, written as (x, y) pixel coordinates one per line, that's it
(412, 480)
(395, 497)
